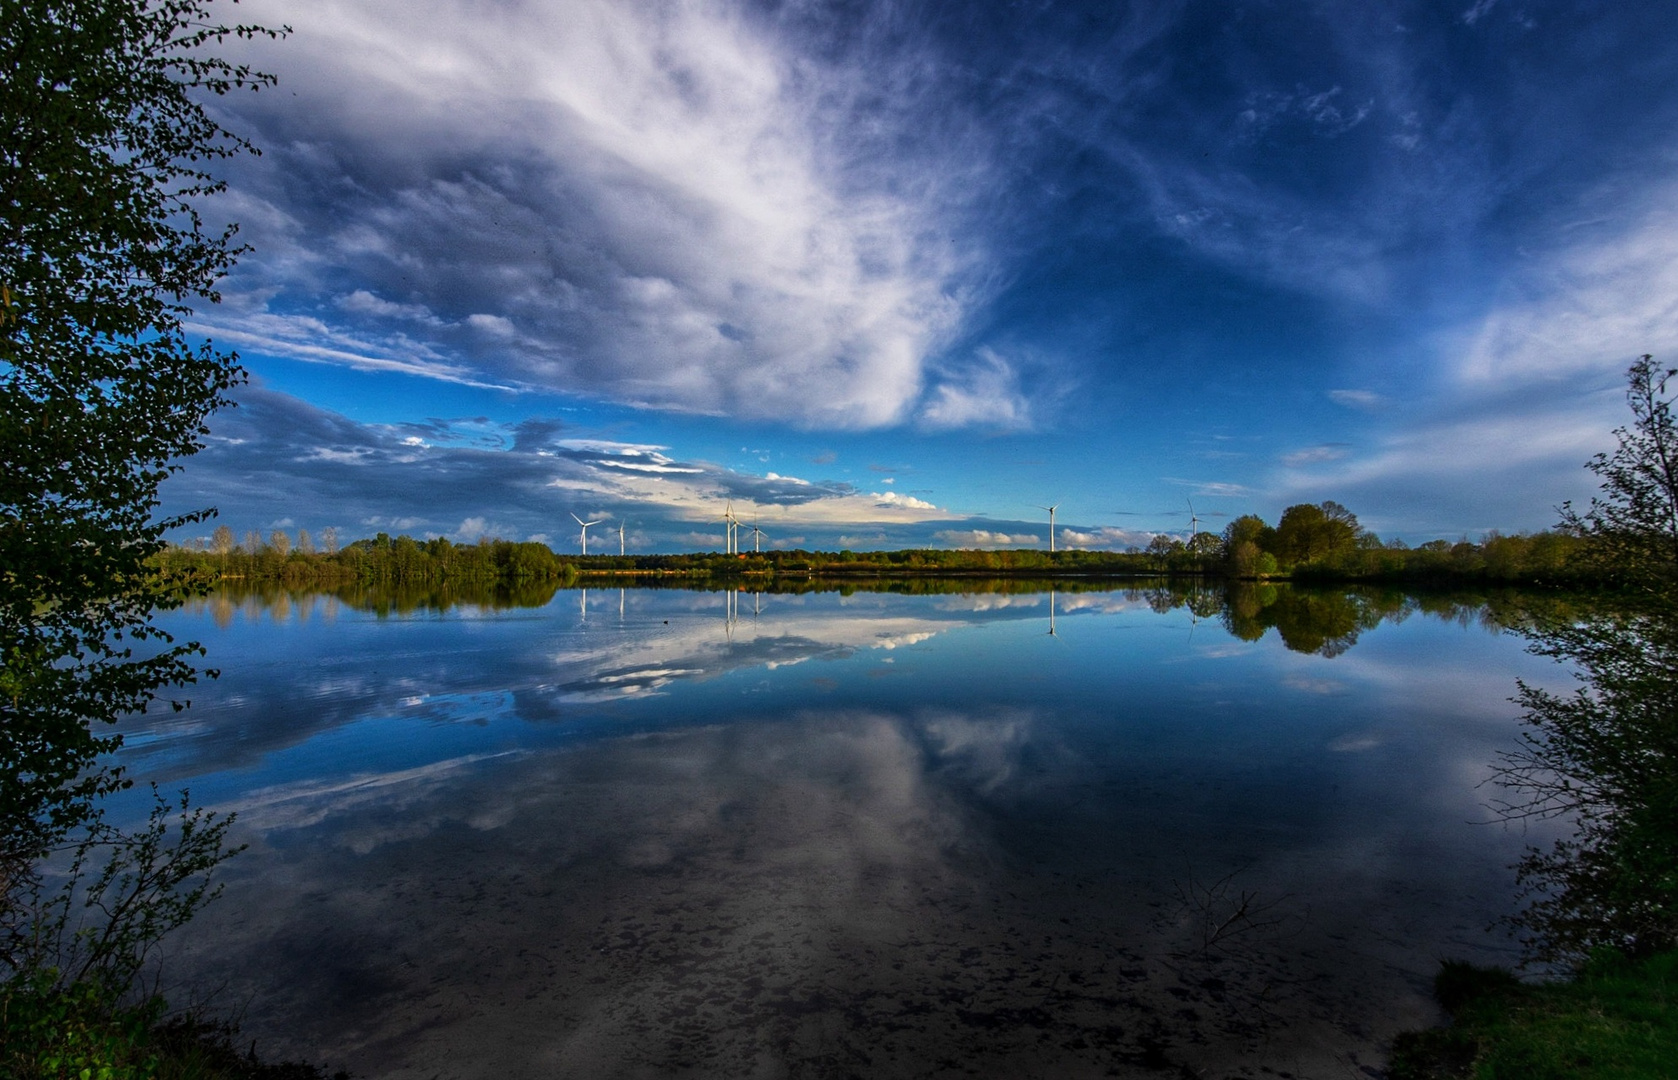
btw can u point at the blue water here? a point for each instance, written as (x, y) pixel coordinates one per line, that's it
(671, 833)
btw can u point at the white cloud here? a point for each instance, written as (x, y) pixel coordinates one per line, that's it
(1594, 305)
(1355, 399)
(680, 206)
(1105, 538)
(474, 528)
(984, 538)
(896, 500)
(1498, 465)
(1316, 455)
(1214, 488)
(986, 394)
(365, 303)
(1478, 10)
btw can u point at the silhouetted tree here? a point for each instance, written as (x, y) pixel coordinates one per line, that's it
(1607, 754)
(105, 156)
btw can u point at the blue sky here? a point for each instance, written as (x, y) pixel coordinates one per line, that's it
(893, 275)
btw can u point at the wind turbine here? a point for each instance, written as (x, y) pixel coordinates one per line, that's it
(757, 537)
(1194, 522)
(620, 538)
(731, 545)
(1051, 510)
(585, 525)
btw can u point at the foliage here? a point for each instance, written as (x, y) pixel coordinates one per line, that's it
(106, 148)
(75, 953)
(104, 157)
(74, 1032)
(1618, 1020)
(101, 926)
(1309, 533)
(1633, 525)
(1606, 755)
(403, 562)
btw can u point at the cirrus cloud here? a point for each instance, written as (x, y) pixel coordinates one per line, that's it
(679, 206)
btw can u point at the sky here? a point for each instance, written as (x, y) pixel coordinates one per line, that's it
(888, 275)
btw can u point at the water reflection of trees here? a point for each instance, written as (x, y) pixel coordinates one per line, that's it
(281, 601)
(1326, 621)
(1604, 756)
(1330, 621)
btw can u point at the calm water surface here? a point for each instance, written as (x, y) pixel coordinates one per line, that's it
(662, 833)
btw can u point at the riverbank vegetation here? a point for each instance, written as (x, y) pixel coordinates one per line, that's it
(1602, 901)
(401, 562)
(1311, 543)
(109, 146)
(1616, 1018)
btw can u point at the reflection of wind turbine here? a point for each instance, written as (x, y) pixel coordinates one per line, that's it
(1051, 510)
(585, 525)
(1052, 612)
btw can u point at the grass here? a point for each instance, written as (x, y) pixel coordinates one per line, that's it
(1617, 1019)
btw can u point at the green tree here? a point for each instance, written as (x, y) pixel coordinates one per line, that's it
(1606, 755)
(1246, 539)
(105, 151)
(1632, 526)
(1309, 533)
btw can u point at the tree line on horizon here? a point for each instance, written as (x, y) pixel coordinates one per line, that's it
(1321, 541)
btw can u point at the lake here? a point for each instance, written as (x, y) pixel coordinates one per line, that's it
(991, 831)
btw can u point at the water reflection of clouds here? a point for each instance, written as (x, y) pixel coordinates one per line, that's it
(753, 894)
(1103, 603)
(991, 601)
(479, 665)
(649, 664)
(305, 803)
(984, 752)
(1310, 685)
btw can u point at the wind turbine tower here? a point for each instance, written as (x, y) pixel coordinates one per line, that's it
(1051, 510)
(620, 538)
(757, 538)
(1194, 523)
(585, 525)
(732, 523)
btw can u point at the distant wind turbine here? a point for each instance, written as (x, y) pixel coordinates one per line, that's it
(585, 525)
(731, 544)
(757, 537)
(1051, 510)
(620, 538)
(1194, 522)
